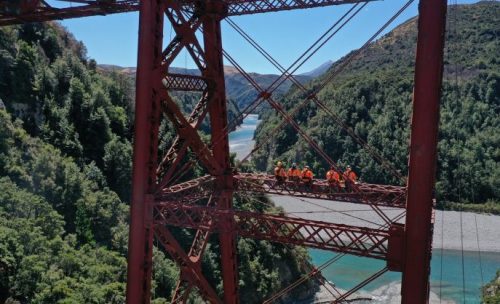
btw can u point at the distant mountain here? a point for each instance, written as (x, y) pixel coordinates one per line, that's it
(319, 70)
(237, 87)
(110, 68)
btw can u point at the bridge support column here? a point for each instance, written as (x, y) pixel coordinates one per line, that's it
(215, 12)
(140, 246)
(423, 152)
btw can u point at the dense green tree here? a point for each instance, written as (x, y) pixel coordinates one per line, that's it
(118, 166)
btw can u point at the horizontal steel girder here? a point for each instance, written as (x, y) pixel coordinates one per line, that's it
(188, 83)
(96, 8)
(41, 13)
(380, 195)
(360, 241)
(189, 191)
(370, 194)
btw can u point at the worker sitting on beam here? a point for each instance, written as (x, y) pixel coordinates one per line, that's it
(333, 179)
(351, 178)
(294, 173)
(279, 173)
(307, 177)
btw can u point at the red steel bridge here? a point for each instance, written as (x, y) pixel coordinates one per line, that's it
(205, 204)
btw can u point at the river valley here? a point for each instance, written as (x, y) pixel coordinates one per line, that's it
(448, 276)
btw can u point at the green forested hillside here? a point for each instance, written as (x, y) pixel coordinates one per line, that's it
(373, 95)
(65, 166)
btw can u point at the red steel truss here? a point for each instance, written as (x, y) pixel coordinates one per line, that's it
(381, 195)
(205, 204)
(370, 194)
(354, 240)
(15, 12)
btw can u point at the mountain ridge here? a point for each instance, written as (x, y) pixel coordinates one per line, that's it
(320, 70)
(237, 87)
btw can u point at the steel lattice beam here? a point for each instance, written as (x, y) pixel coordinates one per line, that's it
(179, 82)
(354, 240)
(43, 12)
(190, 270)
(238, 7)
(98, 8)
(370, 194)
(380, 195)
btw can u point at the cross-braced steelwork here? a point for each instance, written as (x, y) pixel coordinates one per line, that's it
(204, 204)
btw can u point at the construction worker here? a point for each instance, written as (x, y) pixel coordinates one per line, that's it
(294, 173)
(307, 177)
(333, 179)
(351, 176)
(279, 173)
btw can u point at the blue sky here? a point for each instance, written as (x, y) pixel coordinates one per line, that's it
(285, 35)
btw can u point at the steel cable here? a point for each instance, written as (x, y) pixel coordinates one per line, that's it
(340, 69)
(370, 149)
(252, 106)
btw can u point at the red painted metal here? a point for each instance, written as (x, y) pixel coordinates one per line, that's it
(39, 11)
(145, 152)
(177, 151)
(189, 133)
(179, 82)
(423, 150)
(190, 271)
(380, 195)
(99, 8)
(361, 241)
(215, 12)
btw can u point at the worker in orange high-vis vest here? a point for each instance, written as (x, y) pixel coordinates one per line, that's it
(351, 174)
(333, 179)
(294, 173)
(307, 177)
(280, 173)
(352, 178)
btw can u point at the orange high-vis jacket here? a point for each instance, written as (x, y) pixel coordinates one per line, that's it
(307, 174)
(332, 175)
(293, 172)
(351, 175)
(279, 171)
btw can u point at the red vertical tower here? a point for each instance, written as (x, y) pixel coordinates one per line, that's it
(423, 150)
(215, 12)
(145, 152)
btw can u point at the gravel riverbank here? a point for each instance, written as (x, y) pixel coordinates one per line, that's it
(452, 230)
(447, 232)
